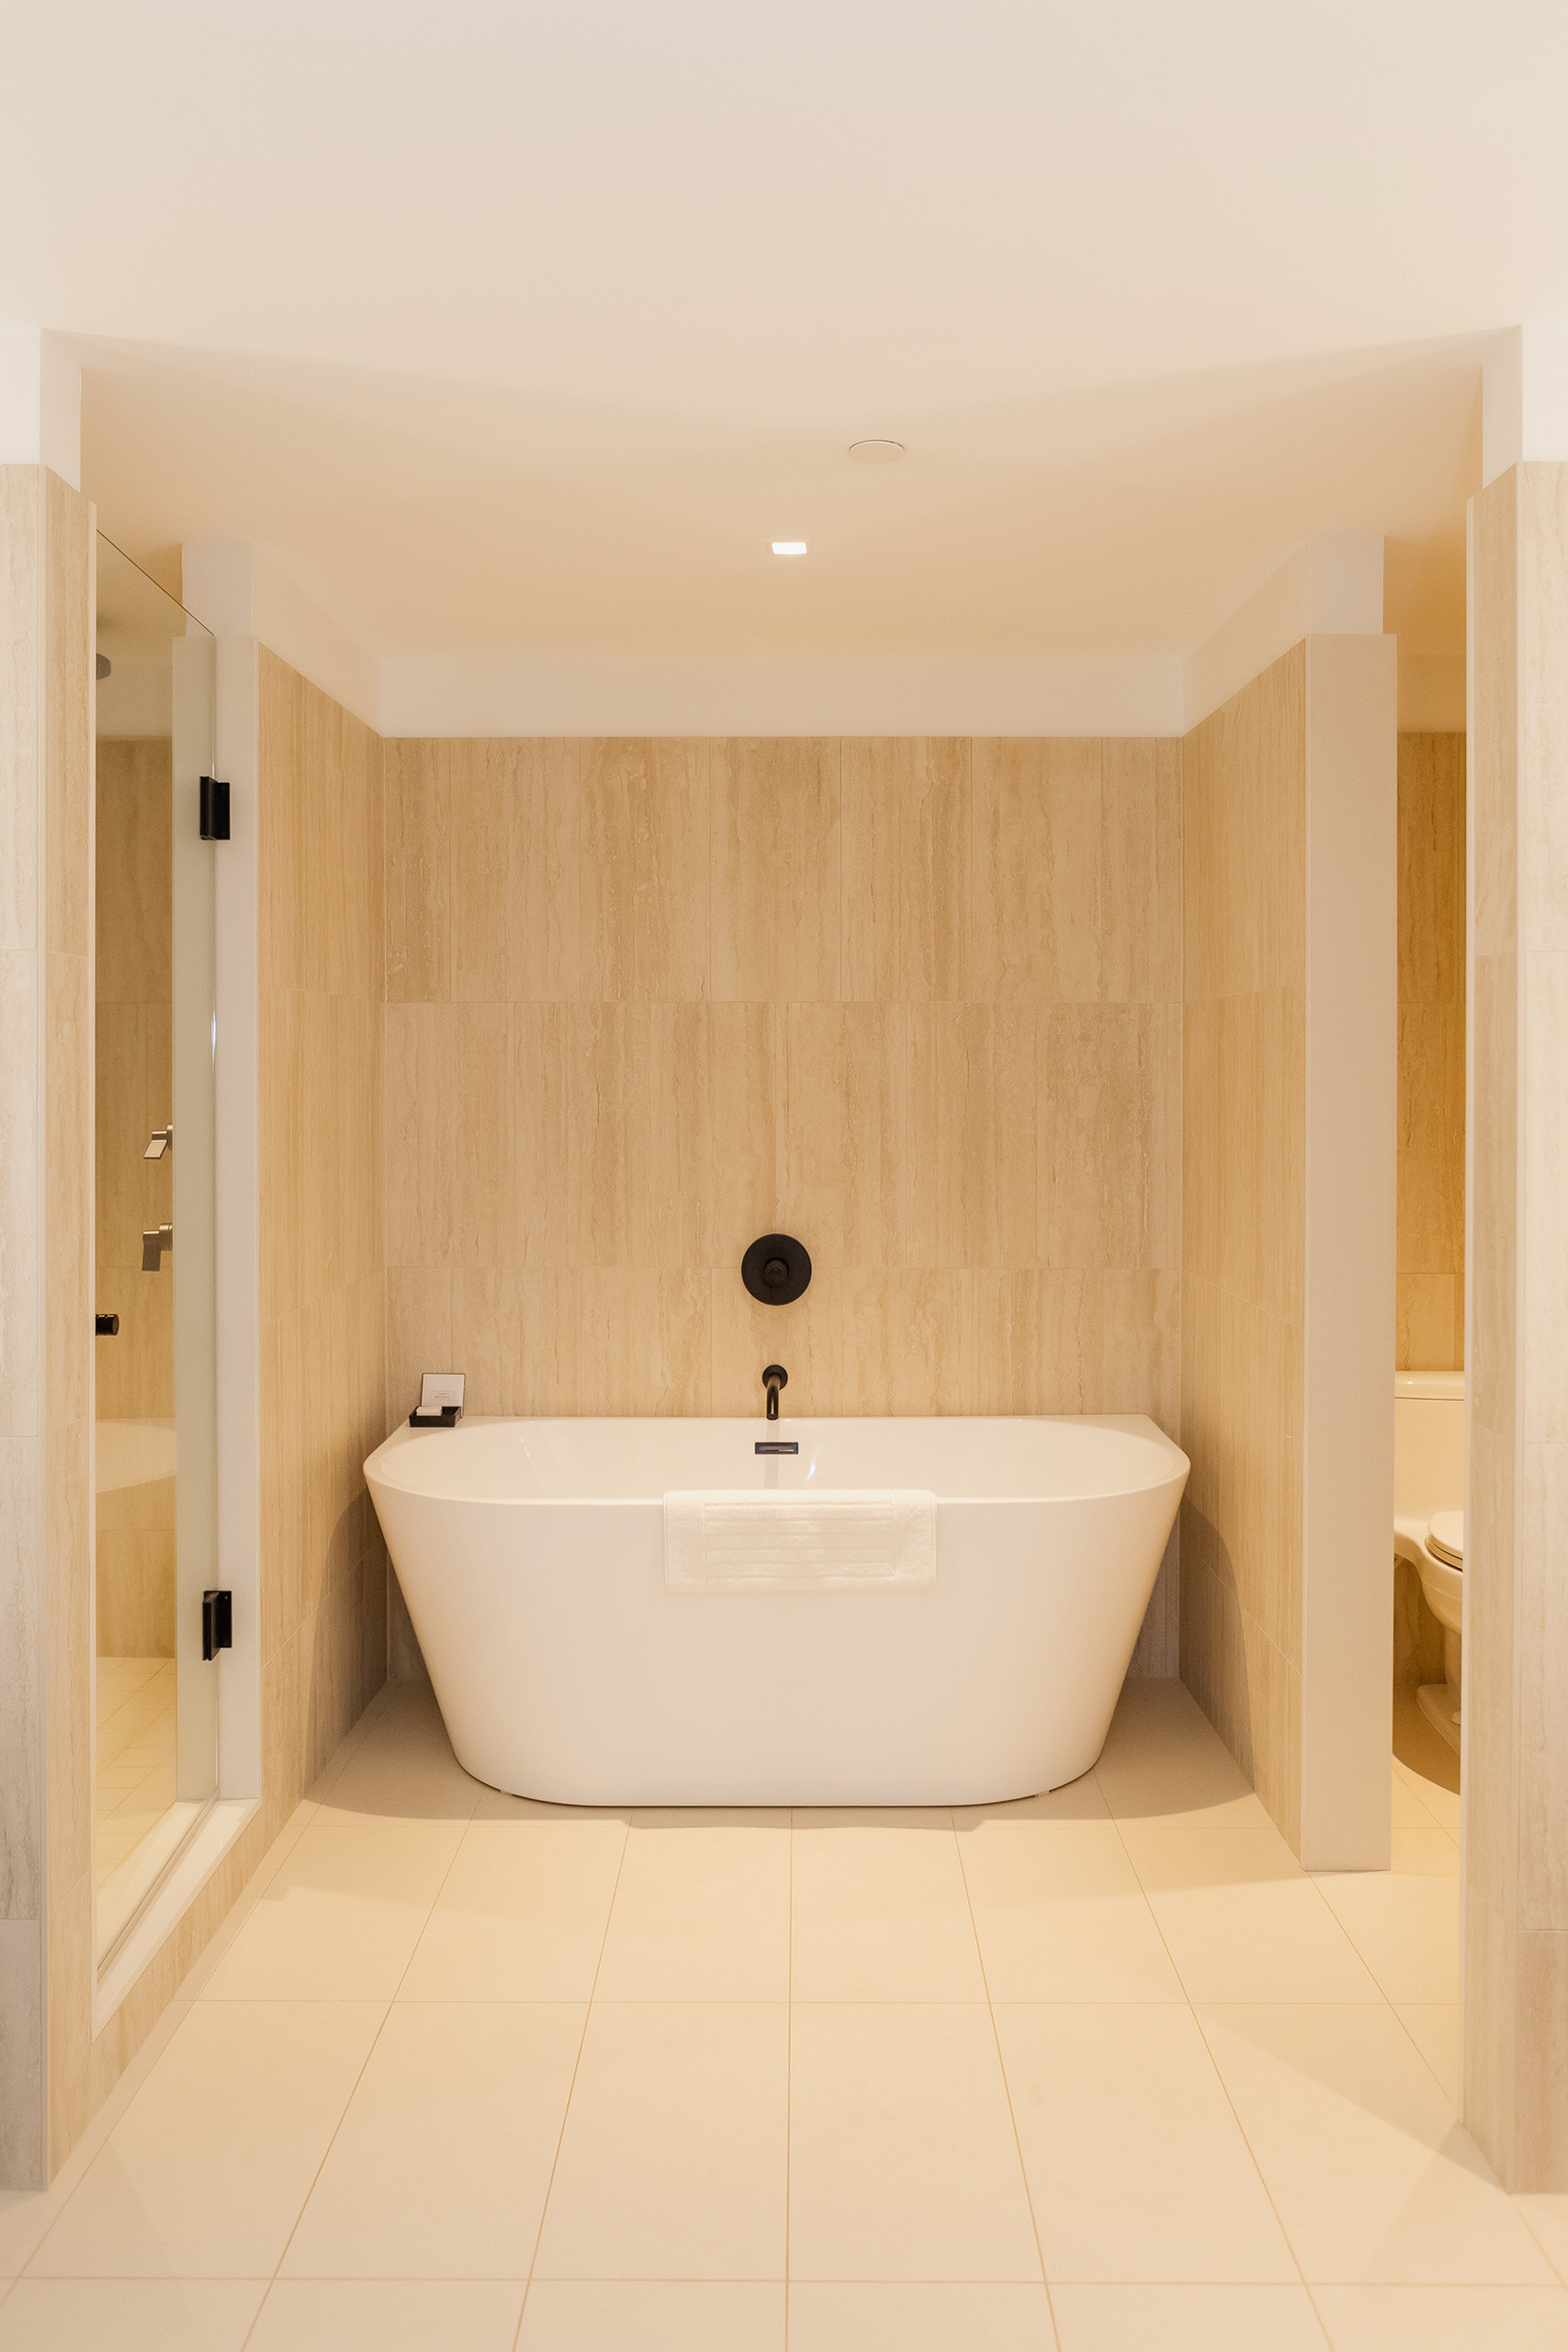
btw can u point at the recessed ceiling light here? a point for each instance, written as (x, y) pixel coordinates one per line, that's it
(789, 546)
(876, 453)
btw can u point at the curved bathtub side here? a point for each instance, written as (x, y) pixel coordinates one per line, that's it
(565, 1671)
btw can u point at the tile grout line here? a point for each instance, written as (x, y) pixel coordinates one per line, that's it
(1225, 2086)
(359, 2077)
(1006, 2086)
(572, 2086)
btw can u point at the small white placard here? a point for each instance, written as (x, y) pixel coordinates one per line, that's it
(439, 1388)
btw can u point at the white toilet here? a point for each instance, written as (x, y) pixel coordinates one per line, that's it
(1428, 1518)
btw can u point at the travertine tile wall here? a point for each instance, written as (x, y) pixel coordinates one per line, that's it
(133, 1094)
(22, 1692)
(324, 1608)
(1244, 1233)
(917, 1001)
(1429, 1284)
(1516, 1652)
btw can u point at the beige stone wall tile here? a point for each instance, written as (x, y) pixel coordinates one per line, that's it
(806, 1338)
(1543, 708)
(1494, 1173)
(21, 614)
(515, 871)
(422, 1137)
(283, 1145)
(1035, 1341)
(1543, 1667)
(135, 1587)
(515, 1336)
(1110, 1111)
(905, 869)
(1495, 741)
(484, 1222)
(68, 1158)
(69, 2014)
(1034, 888)
(1141, 1346)
(1431, 869)
(134, 912)
(746, 1049)
(645, 831)
(21, 1784)
(1432, 1137)
(22, 2045)
(1140, 864)
(645, 1341)
(1543, 1339)
(974, 1136)
(1156, 1655)
(420, 1333)
(542, 1039)
(69, 628)
(1429, 1332)
(844, 1132)
(68, 1650)
(637, 1123)
(21, 1355)
(775, 869)
(1493, 1514)
(418, 890)
(903, 1340)
(280, 823)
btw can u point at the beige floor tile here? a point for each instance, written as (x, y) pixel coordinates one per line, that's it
(879, 1911)
(1136, 2163)
(388, 2316)
(1370, 2175)
(206, 2172)
(1406, 1929)
(341, 1919)
(1445, 2319)
(1547, 2219)
(1186, 2319)
(1433, 2026)
(403, 1768)
(522, 1913)
(1059, 1911)
(1409, 1811)
(441, 2165)
(861, 2318)
(1424, 1853)
(702, 1910)
(1163, 1760)
(903, 2159)
(653, 2315)
(129, 2314)
(1241, 1919)
(673, 2160)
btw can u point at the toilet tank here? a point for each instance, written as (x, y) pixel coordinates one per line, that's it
(1428, 1443)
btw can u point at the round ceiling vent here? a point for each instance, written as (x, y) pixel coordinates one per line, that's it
(876, 453)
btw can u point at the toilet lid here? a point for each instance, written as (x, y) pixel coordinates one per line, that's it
(1444, 1537)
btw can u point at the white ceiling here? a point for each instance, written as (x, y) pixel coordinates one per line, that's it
(524, 329)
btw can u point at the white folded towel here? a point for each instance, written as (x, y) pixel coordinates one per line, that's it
(718, 1539)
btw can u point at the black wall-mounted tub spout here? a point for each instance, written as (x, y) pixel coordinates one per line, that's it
(773, 1379)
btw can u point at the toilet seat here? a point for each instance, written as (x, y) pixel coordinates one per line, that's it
(1444, 1537)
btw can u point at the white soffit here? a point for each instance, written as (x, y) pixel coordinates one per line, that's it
(1324, 588)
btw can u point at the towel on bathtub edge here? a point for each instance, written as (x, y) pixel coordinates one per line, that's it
(850, 1539)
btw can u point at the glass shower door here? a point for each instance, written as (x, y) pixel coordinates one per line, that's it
(155, 1422)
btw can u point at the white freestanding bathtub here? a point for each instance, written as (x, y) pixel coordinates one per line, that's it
(531, 1556)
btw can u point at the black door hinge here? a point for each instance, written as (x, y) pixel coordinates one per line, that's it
(214, 809)
(104, 1327)
(217, 1622)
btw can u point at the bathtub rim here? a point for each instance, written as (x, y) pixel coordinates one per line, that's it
(377, 1466)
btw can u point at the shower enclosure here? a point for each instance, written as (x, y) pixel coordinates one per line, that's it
(156, 1700)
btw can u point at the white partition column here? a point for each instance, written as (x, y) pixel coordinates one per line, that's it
(1515, 1604)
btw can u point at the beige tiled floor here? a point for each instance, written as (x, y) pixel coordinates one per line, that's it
(135, 1776)
(1101, 2070)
